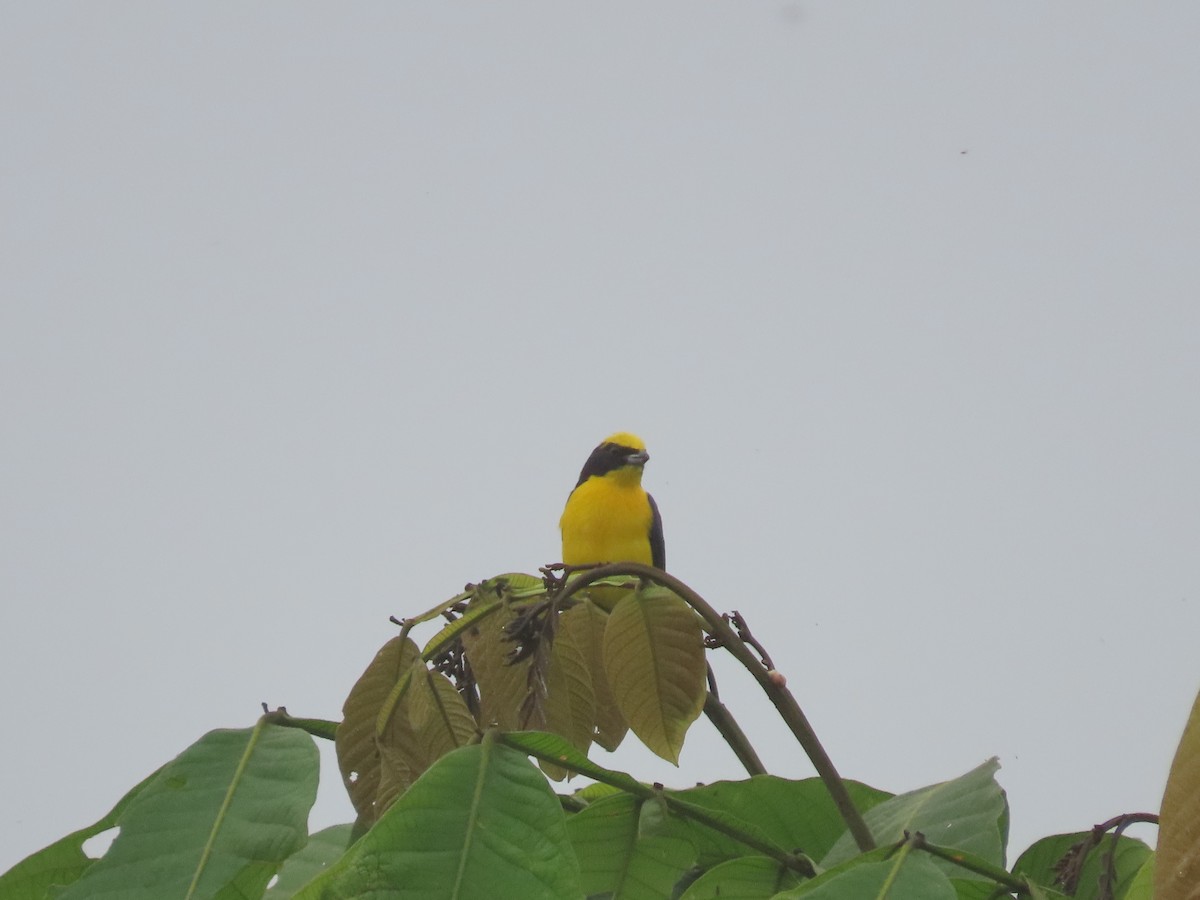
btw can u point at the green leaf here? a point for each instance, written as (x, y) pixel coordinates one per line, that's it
(512, 585)
(439, 715)
(879, 876)
(557, 696)
(1178, 867)
(217, 821)
(654, 659)
(1142, 885)
(502, 688)
(323, 848)
(357, 752)
(586, 622)
(966, 870)
(1041, 862)
(476, 612)
(965, 814)
(1036, 892)
(747, 878)
(976, 890)
(614, 859)
(799, 815)
(553, 748)
(402, 756)
(592, 792)
(1038, 863)
(606, 593)
(570, 702)
(673, 815)
(481, 822)
(64, 861)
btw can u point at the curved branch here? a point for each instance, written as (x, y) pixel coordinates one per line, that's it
(778, 694)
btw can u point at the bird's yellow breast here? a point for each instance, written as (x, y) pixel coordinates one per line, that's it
(607, 520)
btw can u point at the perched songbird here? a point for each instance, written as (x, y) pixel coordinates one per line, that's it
(609, 517)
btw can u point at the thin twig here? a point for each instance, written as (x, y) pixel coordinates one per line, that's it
(971, 864)
(797, 862)
(1069, 868)
(1109, 884)
(743, 630)
(725, 723)
(322, 728)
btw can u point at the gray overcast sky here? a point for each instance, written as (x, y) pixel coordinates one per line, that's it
(310, 315)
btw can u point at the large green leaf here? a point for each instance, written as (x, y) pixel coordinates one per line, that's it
(715, 834)
(64, 861)
(1041, 863)
(654, 659)
(217, 821)
(799, 815)
(879, 876)
(481, 822)
(357, 751)
(966, 814)
(1177, 869)
(585, 623)
(747, 878)
(615, 860)
(667, 804)
(324, 847)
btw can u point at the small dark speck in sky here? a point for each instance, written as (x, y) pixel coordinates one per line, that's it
(791, 13)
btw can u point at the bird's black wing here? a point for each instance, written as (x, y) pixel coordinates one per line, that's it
(658, 549)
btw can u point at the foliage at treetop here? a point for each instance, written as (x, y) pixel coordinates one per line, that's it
(440, 747)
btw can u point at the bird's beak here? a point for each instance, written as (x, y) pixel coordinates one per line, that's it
(637, 459)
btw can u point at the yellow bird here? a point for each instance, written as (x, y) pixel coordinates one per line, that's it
(609, 517)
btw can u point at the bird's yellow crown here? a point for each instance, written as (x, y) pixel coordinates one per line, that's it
(626, 439)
